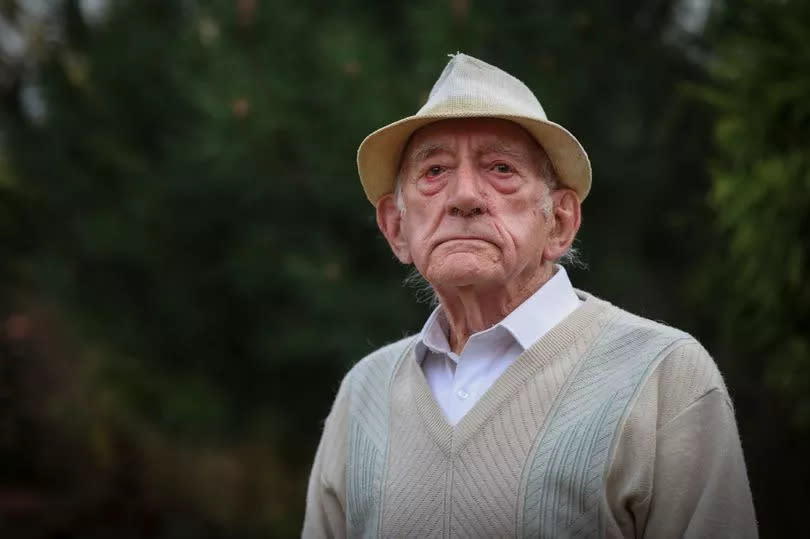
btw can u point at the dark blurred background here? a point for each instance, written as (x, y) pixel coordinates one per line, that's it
(188, 264)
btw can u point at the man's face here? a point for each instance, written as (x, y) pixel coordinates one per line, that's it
(476, 211)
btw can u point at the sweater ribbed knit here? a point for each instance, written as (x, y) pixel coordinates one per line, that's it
(609, 425)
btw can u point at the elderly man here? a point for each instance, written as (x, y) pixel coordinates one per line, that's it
(524, 407)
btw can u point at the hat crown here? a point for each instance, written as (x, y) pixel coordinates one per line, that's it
(471, 87)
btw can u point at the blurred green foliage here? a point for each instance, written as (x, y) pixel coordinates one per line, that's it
(760, 191)
(751, 291)
(188, 264)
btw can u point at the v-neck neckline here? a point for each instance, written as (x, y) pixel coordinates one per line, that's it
(451, 439)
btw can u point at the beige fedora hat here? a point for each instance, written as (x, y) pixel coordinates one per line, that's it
(470, 88)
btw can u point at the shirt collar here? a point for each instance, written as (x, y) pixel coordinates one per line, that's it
(540, 312)
(434, 333)
(543, 310)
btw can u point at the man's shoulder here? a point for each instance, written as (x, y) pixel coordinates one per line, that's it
(390, 352)
(683, 359)
(379, 364)
(675, 344)
(626, 323)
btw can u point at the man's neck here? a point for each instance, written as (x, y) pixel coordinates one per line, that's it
(470, 309)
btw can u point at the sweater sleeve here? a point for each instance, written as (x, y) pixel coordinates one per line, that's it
(678, 468)
(700, 485)
(326, 493)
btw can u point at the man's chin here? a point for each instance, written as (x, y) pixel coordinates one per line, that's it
(465, 276)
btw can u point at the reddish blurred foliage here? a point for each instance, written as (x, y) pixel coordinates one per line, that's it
(245, 12)
(17, 327)
(240, 107)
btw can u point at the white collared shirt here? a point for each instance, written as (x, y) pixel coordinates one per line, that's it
(458, 381)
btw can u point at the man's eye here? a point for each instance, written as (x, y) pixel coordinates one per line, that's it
(502, 168)
(435, 170)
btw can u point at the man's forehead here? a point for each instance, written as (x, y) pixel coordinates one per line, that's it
(484, 135)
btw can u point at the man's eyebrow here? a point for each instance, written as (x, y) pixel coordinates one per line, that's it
(503, 149)
(425, 151)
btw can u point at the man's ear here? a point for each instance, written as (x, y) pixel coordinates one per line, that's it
(567, 218)
(389, 219)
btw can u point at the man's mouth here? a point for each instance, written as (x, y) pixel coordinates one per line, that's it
(462, 238)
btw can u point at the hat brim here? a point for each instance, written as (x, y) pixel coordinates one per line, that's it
(378, 157)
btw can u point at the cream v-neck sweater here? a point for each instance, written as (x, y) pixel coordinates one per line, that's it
(610, 425)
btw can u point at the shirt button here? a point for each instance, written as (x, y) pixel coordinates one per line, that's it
(462, 394)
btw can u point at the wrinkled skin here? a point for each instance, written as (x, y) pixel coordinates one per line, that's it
(477, 219)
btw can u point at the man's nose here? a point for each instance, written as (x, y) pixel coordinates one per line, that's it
(466, 198)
